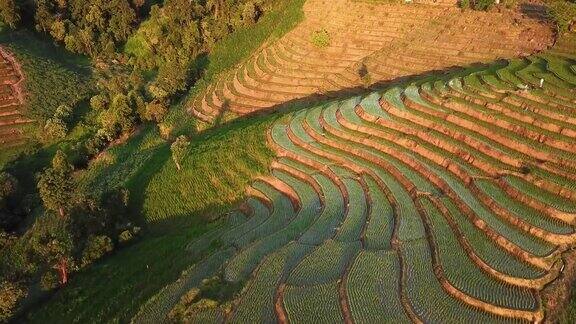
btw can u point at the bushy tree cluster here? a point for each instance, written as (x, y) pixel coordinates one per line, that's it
(71, 232)
(93, 27)
(180, 30)
(56, 128)
(9, 13)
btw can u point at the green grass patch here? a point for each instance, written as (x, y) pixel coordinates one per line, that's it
(219, 165)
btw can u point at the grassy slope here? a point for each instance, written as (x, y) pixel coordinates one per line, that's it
(53, 77)
(220, 163)
(114, 289)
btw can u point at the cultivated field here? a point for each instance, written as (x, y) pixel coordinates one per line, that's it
(442, 199)
(11, 102)
(381, 162)
(369, 45)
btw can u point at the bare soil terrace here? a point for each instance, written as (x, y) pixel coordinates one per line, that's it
(371, 44)
(11, 101)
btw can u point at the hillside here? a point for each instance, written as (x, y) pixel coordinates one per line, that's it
(38, 78)
(449, 199)
(279, 161)
(369, 45)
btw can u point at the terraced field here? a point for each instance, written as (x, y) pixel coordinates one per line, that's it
(369, 45)
(11, 102)
(447, 199)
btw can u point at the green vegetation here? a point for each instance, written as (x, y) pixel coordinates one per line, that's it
(54, 77)
(94, 28)
(9, 13)
(178, 149)
(55, 185)
(167, 199)
(563, 13)
(216, 169)
(320, 38)
(141, 269)
(127, 209)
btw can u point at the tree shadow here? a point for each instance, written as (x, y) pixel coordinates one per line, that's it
(222, 113)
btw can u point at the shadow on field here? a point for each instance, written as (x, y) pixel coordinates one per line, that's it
(139, 182)
(157, 157)
(343, 94)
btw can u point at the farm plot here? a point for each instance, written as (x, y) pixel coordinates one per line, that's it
(437, 201)
(367, 45)
(12, 120)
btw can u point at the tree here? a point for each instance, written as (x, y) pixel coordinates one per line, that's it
(52, 245)
(179, 149)
(9, 13)
(56, 185)
(55, 129)
(99, 102)
(10, 295)
(155, 110)
(93, 27)
(120, 117)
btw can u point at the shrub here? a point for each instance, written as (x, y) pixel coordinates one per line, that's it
(321, 38)
(63, 112)
(99, 102)
(9, 14)
(55, 129)
(96, 247)
(250, 13)
(156, 111)
(125, 237)
(8, 185)
(49, 280)
(128, 235)
(464, 4)
(97, 143)
(563, 13)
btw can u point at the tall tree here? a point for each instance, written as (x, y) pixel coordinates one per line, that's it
(179, 149)
(56, 185)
